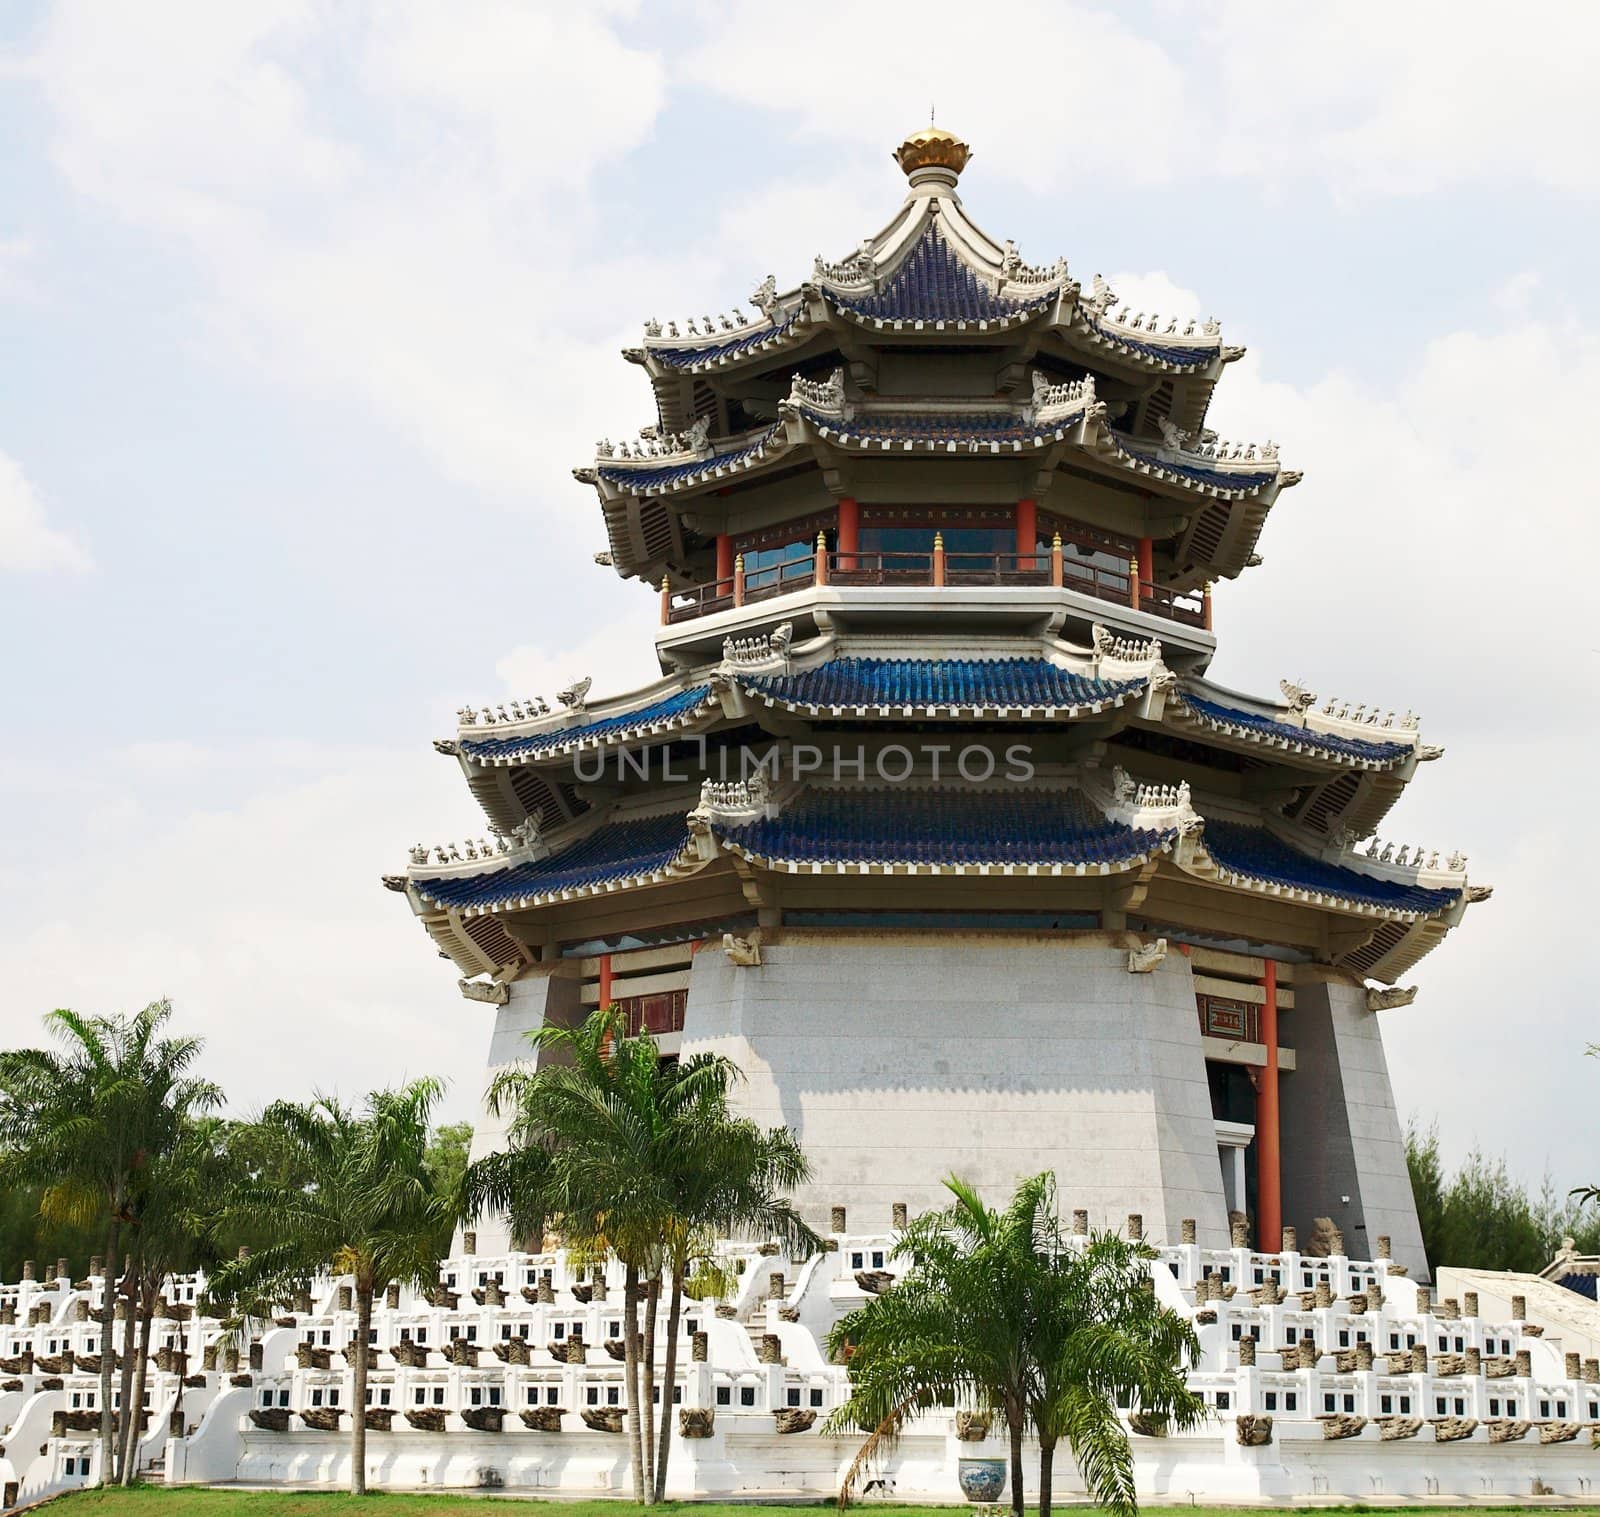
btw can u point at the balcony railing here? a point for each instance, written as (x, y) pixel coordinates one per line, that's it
(937, 569)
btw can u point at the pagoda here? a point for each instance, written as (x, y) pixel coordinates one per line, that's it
(934, 822)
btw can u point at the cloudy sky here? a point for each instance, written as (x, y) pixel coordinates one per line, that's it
(309, 307)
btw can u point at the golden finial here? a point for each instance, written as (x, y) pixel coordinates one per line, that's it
(932, 147)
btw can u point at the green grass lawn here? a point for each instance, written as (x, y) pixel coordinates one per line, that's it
(155, 1501)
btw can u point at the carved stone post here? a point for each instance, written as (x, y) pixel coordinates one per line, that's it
(897, 1215)
(700, 1347)
(775, 1286)
(1384, 1246)
(1239, 1232)
(1135, 1226)
(1470, 1302)
(1080, 1223)
(1187, 1230)
(1574, 1366)
(469, 1244)
(1290, 1241)
(769, 1349)
(1519, 1308)
(836, 1219)
(1247, 1351)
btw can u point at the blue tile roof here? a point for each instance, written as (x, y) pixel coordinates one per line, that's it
(1358, 749)
(729, 347)
(1219, 479)
(1583, 1285)
(619, 851)
(531, 744)
(644, 481)
(1188, 357)
(954, 826)
(900, 682)
(933, 284)
(917, 426)
(1257, 854)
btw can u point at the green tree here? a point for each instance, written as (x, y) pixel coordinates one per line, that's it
(371, 1208)
(448, 1148)
(170, 1236)
(1481, 1217)
(1102, 1340)
(85, 1123)
(629, 1155)
(729, 1177)
(999, 1311)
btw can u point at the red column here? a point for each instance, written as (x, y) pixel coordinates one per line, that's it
(1147, 560)
(605, 980)
(724, 560)
(1027, 532)
(849, 530)
(1269, 1175)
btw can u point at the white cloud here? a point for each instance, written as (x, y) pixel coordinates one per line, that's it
(27, 542)
(243, 882)
(1427, 96)
(1437, 556)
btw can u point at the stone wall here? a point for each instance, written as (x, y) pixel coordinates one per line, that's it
(1340, 1132)
(534, 998)
(901, 1058)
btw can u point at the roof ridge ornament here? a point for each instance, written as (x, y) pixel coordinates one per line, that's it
(1340, 713)
(1150, 807)
(860, 268)
(827, 396)
(526, 838)
(749, 653)
(1051, 400)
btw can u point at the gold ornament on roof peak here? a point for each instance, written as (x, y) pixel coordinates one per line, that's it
(932, 147)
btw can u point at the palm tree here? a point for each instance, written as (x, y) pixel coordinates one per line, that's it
(85, 1124)
(1101, 1340)
(1000, 1311)
(186, 1187)
(373, 1210)
(581, 1127)
(631, 1155)
(732, 1179)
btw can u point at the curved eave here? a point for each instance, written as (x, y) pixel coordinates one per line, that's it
(582, 741)
(1325, 900)
(1284, 739)
(906, 868)
(677, 869)
(944, 710)
(1078, 430)
(677, 358)
(1143, 350)
(652, 479)
(947, 326)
